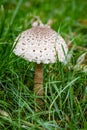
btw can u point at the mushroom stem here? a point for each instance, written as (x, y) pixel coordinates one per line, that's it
(38, 81)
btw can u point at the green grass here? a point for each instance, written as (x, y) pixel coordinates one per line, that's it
(65, 96)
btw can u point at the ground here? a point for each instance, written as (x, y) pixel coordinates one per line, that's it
(65, 86)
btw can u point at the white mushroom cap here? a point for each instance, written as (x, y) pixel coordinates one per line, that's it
(41, 44)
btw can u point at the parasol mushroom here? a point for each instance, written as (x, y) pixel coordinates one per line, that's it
(42, 45)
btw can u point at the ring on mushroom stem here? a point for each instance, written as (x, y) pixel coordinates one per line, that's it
(42, 45)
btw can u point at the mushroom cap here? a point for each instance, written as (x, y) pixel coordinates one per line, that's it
(41, 44)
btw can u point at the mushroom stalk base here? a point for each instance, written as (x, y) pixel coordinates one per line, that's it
(38, 82)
